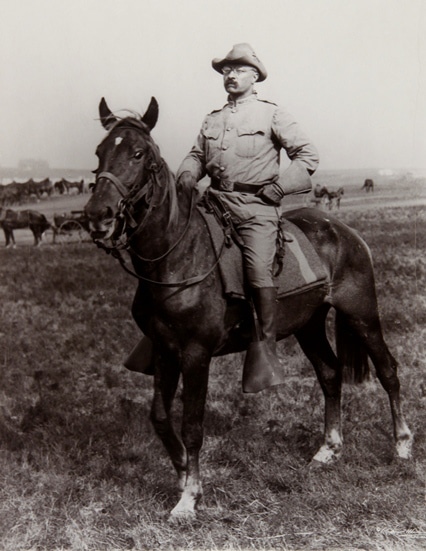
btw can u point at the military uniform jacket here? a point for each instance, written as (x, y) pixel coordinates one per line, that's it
(242, 141)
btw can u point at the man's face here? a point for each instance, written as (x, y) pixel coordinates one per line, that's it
(238, 80)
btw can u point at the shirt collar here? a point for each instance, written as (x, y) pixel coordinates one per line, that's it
(249, 99)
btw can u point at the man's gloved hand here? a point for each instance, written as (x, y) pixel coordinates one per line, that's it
(186, 180)
(271, 194)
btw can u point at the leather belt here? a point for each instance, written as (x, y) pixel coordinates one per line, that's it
(225, 185)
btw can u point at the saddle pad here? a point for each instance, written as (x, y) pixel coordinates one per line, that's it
(302, 267)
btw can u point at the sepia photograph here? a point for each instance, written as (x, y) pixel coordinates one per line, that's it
(212, 275)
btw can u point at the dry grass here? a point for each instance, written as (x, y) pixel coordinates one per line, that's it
(81, 468)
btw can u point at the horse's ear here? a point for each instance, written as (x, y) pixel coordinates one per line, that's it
(151, 114)
(107, 118)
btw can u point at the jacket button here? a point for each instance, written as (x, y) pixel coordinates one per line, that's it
(221, 168)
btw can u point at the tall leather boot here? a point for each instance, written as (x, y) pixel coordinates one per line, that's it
(262, 367)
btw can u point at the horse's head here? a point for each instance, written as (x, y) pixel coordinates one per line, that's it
(126, 156)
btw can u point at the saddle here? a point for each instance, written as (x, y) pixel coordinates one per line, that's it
(297, 268)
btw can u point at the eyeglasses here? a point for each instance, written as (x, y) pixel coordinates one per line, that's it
(237, 70)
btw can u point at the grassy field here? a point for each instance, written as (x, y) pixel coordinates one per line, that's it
(81, 468)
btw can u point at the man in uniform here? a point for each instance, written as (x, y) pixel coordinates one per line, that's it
(239, 148)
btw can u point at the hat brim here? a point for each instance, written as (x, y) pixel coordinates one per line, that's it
(218, 65)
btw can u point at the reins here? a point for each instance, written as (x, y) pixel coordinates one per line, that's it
(116, 253)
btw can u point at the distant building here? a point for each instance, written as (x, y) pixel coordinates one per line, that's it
(34, 166)
(418, 174)
(386, 172)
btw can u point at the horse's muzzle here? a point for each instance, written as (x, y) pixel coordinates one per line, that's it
(101, 220)
(102, 229)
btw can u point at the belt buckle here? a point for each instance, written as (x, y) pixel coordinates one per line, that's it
(226, 185)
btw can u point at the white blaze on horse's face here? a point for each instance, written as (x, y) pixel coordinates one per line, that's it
(118, 140)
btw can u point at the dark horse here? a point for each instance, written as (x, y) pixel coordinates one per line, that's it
(181, 307)
(368, 185)
(13, 220)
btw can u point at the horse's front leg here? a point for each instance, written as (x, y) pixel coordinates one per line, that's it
(195, 372)
(165, 385)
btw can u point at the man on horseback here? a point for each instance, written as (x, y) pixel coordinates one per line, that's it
(238, 147)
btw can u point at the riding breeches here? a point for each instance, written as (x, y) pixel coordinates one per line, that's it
(257, 224)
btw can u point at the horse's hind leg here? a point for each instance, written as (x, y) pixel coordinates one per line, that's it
(358, 318)
(313, 340)
(37, 235)
(368, 329)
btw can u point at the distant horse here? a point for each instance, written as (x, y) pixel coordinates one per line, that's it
(334, 197)
(39, 188)
(14, 193)
(180, 304)
(66, 186)
(368, 185)
(13, 220)
(320, 195)
(59, 187)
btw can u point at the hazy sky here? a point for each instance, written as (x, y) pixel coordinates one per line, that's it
(353, 72)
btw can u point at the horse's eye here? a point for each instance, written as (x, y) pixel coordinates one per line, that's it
(138, 155)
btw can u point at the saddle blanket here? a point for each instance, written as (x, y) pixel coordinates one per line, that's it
(302, 268)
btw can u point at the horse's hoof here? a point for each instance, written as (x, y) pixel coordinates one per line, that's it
(184, 510)
(180, 517)
(404, 448)
(326, 455)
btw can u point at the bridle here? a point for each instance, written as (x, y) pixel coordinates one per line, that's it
(130, 196)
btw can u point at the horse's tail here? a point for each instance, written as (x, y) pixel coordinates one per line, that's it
(351, 352)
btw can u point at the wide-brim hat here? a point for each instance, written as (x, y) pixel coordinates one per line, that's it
(242, 54)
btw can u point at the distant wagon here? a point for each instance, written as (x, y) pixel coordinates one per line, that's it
(71, 227)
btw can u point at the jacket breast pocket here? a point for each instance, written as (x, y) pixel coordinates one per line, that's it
(249, 141)
(211, 135)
